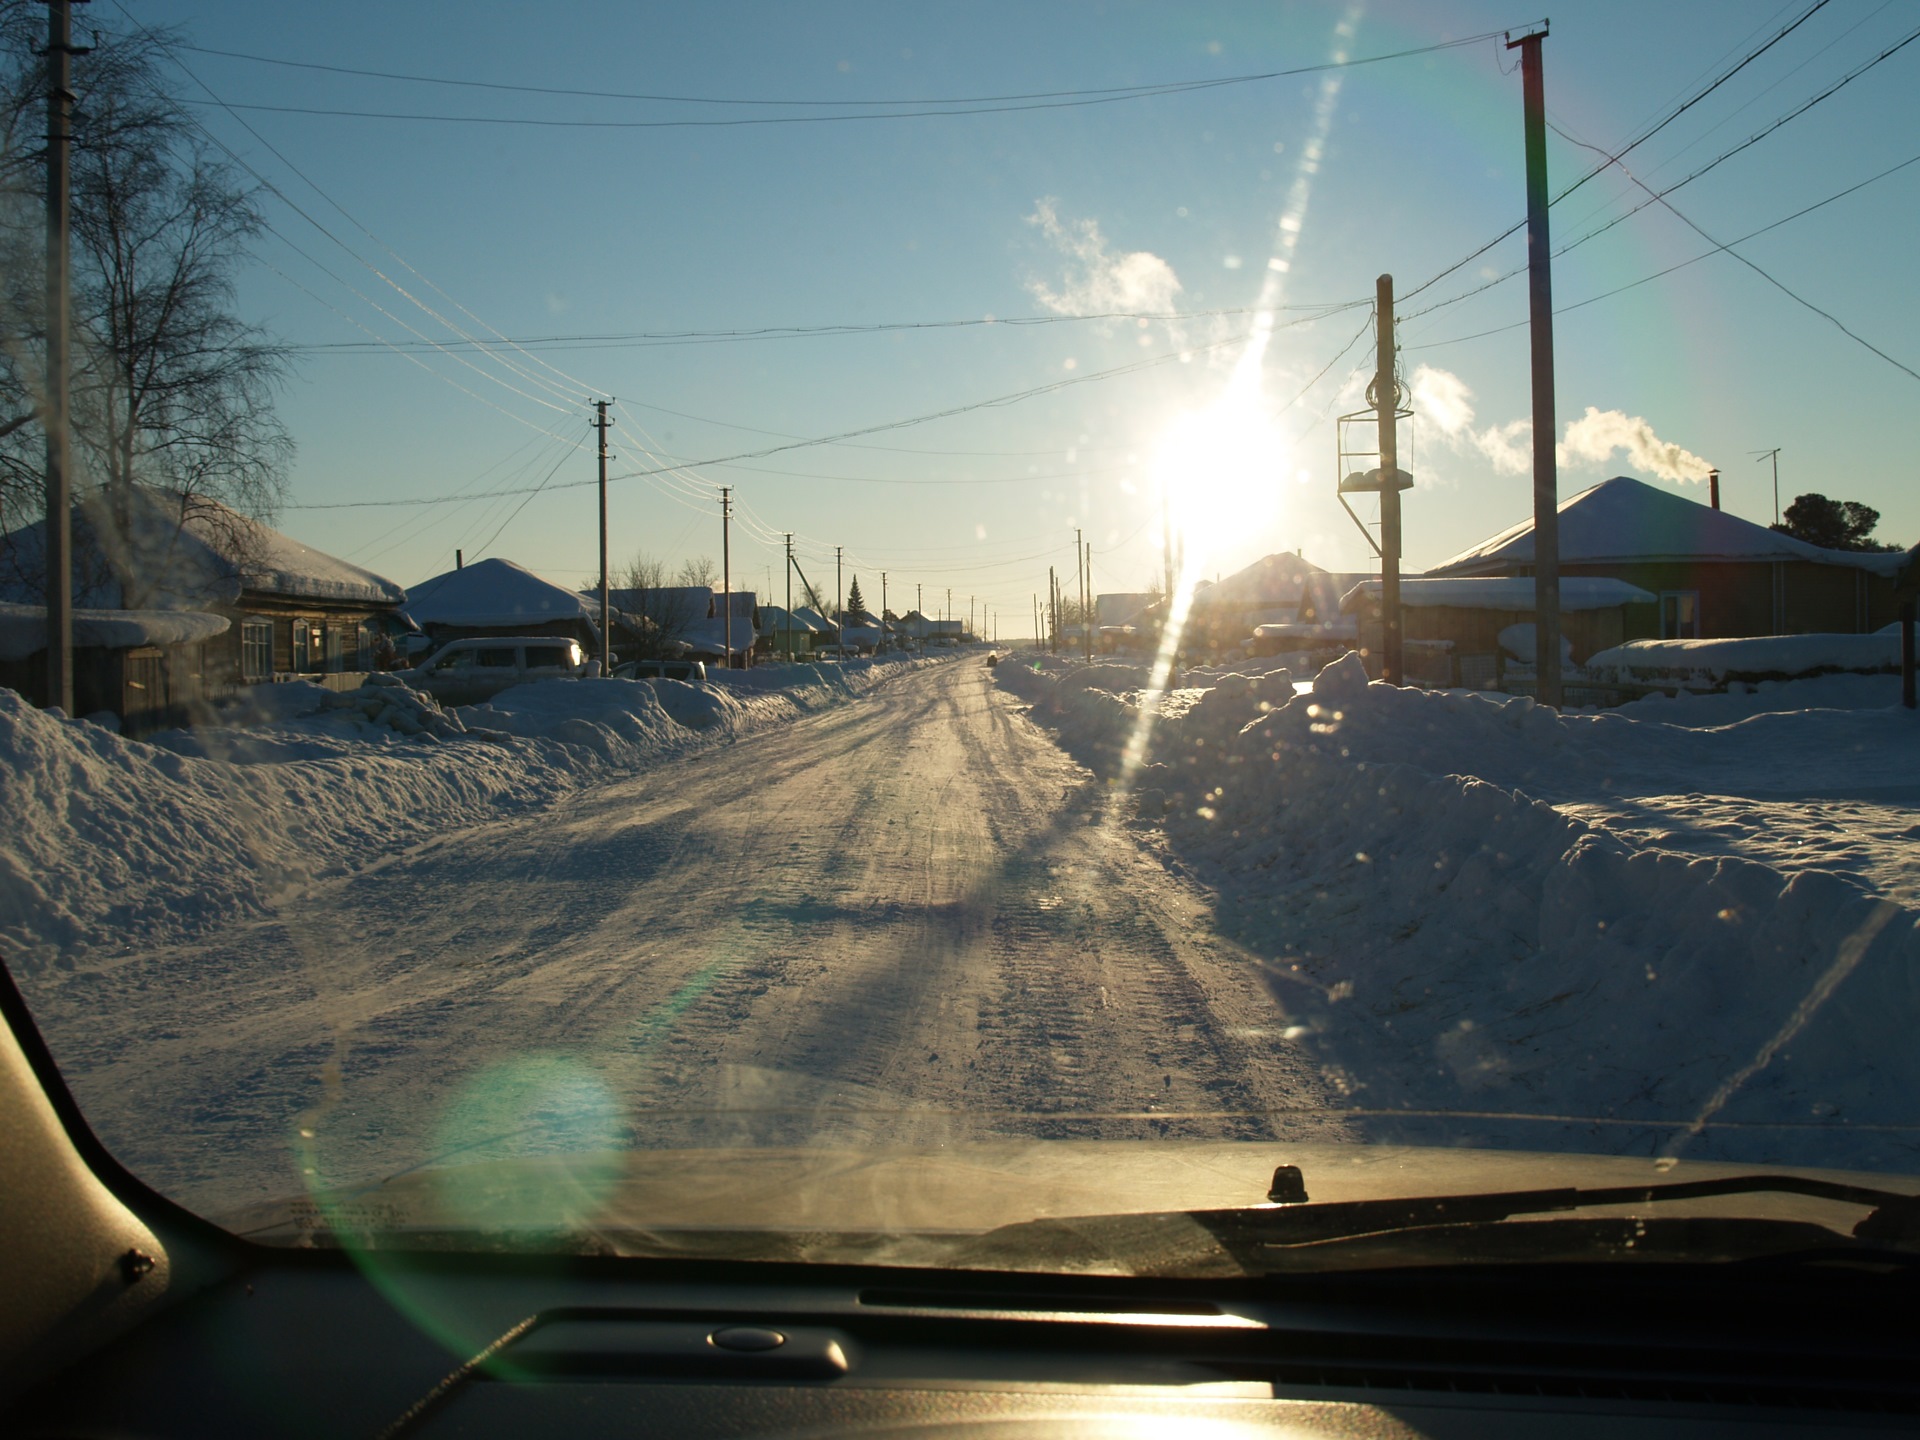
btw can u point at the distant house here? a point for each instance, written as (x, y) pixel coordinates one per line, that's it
(731, 620)
(782, 631)
(144, 667)
(290, 609)
(1714, 575)
(1463, 630)
(498, 597)
(1283, 590)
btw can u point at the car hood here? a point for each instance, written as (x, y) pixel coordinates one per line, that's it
(932, 1206)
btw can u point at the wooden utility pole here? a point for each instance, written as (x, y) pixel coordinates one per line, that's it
(1546, 478)
(1386, 406)
(59, 468)
(726, 575)
(883, 609)
(606, 604)
(789, 597)
(839, 607)
(1053, 612)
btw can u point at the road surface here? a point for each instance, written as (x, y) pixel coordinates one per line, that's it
(908, 920)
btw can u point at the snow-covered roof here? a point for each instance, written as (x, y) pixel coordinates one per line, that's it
(1769, 655)
(492, 593)
(23, 628)
(1624, 520)
(1497, 592)
(1116, 608)
(1340, 628)
(160, 549)
(775, 619)
(709, 635)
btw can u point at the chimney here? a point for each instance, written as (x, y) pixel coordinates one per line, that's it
(1713, 488)
(460, 556)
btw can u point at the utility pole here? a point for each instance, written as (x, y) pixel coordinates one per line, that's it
(1546, 479)
(1080, 577)
(1053, 610)
(839, 607)
(1386, 406)
(1773, 455)
(606, 606)
(726, 575)
(59, 470)
(883, 609)
(789, 597)
(1166, 535)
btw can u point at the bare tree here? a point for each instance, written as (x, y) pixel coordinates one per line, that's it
(662, 613)
(170, 388)
(699, 570)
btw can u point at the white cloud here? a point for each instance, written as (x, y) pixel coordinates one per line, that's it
(1098, 280)
(1595, 436)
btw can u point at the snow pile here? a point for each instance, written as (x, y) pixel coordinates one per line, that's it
(111, 841)
(1477, 961)
(1761, 657)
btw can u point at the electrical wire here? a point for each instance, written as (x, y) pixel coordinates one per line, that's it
(995, 402)
(1681, 265)
(980, 105)
(648, 339)
(1657, 197)
(1645, 135)
(1727, 247)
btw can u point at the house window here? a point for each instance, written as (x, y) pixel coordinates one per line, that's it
(1679, 614)
(336, 648)
(369, 642)
(256, 649)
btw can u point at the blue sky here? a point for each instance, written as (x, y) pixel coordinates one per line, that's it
(1182, 202)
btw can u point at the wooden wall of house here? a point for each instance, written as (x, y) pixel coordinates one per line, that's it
(1740, 599)
(1477, 632)
(148, 688)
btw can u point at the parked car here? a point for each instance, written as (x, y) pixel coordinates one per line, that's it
(694, 672)
(466, 672)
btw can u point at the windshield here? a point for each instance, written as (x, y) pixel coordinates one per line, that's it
(1218, 588)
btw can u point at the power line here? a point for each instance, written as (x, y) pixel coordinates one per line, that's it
(1659, 196)
(996, 401)
(1660, 274)
(856, 110)
(1779, 285)
(1646, 135)
(647, 339)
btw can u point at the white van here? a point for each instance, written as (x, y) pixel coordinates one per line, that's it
(466, 672)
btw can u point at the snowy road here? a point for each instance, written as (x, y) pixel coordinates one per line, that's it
(906, 920)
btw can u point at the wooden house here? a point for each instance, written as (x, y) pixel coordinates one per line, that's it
(291, 609)
(1713, 575)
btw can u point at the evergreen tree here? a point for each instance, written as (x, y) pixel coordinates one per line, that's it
(1833, 524)
(856, 602)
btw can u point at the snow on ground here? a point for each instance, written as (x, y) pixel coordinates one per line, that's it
(1644, 936)
(116, 845)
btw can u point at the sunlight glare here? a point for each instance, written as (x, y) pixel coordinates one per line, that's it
(1221, 469)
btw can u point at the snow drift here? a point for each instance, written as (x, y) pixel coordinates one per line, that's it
(1473, 963)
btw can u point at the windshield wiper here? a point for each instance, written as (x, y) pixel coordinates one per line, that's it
(1894, 1217)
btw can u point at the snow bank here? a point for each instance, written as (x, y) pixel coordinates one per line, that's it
(1475, 964)
(112, 843)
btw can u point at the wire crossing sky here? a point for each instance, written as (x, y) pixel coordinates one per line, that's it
(1008, 270)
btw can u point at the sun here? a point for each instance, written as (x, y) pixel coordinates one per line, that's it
(1220, 471)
